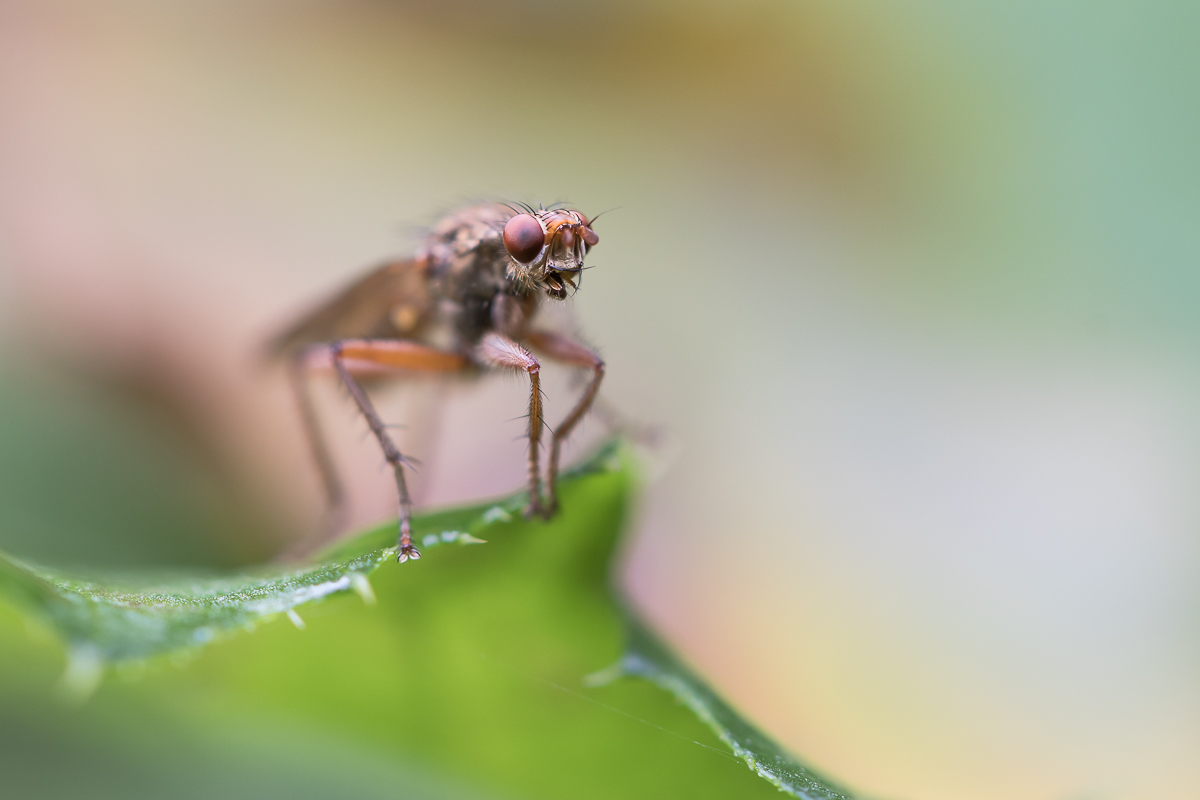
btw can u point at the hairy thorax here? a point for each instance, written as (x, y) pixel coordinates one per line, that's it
(472, 286)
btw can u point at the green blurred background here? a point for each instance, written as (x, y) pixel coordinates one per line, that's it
(911, 284)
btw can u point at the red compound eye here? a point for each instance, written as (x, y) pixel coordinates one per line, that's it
(524, 237)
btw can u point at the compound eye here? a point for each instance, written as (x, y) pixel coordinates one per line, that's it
(524, 237)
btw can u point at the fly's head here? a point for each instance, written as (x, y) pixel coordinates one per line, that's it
(546, 248)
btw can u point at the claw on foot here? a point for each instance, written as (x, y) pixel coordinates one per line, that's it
(408, 551)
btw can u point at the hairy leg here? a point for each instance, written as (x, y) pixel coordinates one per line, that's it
(566, 351)
(496, 350)
(401, 355)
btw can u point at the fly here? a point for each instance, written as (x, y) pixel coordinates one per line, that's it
(465, 301)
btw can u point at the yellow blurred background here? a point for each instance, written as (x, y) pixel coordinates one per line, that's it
(912, 286)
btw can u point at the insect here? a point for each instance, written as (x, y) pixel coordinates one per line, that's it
(465, 301)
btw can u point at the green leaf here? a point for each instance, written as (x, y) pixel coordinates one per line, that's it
(469, 663)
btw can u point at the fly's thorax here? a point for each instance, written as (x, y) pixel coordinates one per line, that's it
(475, 295)
(512, 313)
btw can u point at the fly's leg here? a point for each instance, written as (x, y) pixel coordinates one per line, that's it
(497, 350)
(402, 355)
(562, 349)
(335, 494)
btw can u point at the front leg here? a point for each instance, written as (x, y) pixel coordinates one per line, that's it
(562, 349)
(497, 350)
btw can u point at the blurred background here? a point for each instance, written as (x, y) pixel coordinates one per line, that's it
(912, 285)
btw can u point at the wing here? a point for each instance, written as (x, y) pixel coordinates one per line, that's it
(390, 301)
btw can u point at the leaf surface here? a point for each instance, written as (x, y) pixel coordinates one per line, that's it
(470, 663)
